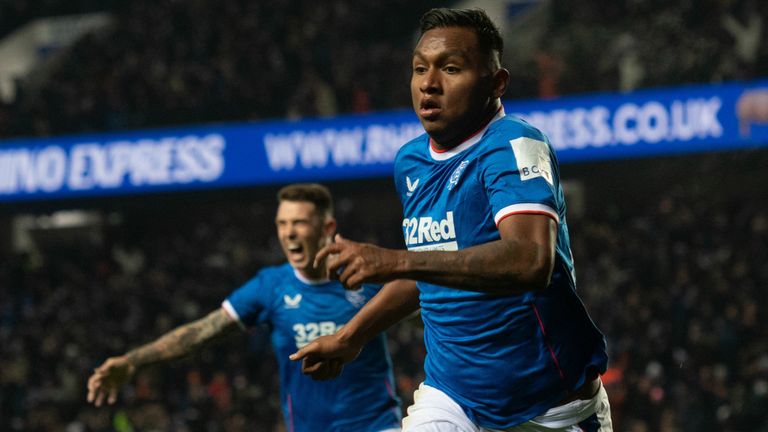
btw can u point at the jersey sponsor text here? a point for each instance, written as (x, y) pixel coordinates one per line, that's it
(425, 233)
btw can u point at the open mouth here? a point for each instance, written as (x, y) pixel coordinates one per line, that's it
(295, 251)
(429, 108)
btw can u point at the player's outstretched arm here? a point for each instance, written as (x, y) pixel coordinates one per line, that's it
(107, 379)
(522, 260)
(325, 357)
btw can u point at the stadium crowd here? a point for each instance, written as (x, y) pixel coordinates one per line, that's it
(625, 45)
(174, 62)
(676, 281)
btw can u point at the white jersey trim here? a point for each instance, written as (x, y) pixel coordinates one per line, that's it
(230, 310)
(309, 281)
(526, 208)
(466, 144)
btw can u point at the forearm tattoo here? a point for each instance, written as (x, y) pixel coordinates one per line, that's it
(183, 340)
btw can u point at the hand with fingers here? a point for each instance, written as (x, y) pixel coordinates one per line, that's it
(325, 357)
(354, 263)
(108, 378)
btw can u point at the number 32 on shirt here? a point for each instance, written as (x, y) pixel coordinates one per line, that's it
(305, 333)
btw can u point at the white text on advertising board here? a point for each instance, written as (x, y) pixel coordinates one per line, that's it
(86, 166)
(630, 123)
(373, 144)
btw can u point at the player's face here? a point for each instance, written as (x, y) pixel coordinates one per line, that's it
(302, 233)
(452, 86)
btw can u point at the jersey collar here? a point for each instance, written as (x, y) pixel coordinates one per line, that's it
(308, 281)
(441, 155)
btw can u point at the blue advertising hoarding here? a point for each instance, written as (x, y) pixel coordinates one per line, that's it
(652, 122)
(595, 127)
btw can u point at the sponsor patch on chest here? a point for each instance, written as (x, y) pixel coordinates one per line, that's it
(427, 233)
(532, 158)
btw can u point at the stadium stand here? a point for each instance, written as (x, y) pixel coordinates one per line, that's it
(672, 267)
(180, 62)
(167, 62)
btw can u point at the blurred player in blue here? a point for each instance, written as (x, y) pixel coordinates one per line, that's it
(300, 304)
(509, 343)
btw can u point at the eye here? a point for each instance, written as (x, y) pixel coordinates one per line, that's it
(419, 69)
(451, 69)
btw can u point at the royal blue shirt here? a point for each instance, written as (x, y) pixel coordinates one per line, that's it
(503, 358)
(298, 311)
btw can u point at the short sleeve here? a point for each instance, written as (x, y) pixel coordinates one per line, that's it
(519, 178)
(249, 304)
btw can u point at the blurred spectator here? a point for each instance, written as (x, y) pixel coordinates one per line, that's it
(15, 13)
(630, 69)
(747, 31)
(312, 98)
(549, 69)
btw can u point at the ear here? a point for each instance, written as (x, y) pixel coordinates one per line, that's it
(329, 227)
(500, 81)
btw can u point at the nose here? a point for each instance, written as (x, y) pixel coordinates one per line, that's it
(430, 83)
(292, 232)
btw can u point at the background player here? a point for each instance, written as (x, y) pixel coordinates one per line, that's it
(299, 304)
(509, 343)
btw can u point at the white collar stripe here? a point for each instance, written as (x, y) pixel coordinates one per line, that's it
(308, 281)
(441, 156)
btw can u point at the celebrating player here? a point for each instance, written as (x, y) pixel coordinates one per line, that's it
(300, 304)
(510, 345)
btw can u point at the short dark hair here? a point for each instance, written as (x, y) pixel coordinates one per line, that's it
(488, 34)
(314, 193)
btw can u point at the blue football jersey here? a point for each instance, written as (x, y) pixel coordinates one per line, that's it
(503, 359)
(297, 312)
